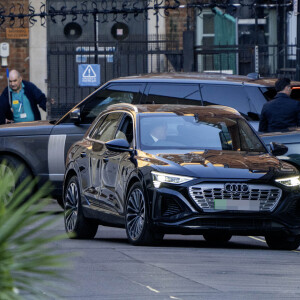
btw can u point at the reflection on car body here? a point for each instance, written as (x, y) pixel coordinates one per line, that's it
(208, 174)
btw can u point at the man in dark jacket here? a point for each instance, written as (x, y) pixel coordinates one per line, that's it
(19, 102)
(281, 112)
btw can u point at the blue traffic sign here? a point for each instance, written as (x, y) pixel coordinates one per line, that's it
(88, 75)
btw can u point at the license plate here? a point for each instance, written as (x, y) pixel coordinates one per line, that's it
(228, 204)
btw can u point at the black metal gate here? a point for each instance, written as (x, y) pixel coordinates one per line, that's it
(134, 56)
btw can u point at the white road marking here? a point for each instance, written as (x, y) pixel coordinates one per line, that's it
(152, 289)
(261, 240)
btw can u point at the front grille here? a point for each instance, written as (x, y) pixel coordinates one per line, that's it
(214, 197)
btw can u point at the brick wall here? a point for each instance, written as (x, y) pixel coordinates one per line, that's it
(19, 48)
(177, 22)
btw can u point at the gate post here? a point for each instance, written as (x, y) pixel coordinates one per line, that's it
(297, 12)
(188, 51)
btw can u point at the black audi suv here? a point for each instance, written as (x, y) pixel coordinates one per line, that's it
(163, 169)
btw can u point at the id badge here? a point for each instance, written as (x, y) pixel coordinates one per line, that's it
(23, 116)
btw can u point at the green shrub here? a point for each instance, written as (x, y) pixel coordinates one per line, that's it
(28, 260)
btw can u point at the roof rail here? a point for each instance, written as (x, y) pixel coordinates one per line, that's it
(253, 76)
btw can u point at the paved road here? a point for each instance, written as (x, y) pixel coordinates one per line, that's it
(181, 267)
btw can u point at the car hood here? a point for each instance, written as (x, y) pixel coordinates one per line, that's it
(26, 128)
(220, 164)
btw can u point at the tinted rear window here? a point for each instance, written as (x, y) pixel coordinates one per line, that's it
(230, 95)
(268, 92)
(173, 94)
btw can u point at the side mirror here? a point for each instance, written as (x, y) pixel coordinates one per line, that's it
(278, 149)
(118, 145)
(75, 115)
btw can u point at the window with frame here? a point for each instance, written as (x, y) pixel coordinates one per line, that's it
(105, 129)
(228, 95)
(215, 31)
(173, 93)
(205, 37)
(125, 130)
(114, 93)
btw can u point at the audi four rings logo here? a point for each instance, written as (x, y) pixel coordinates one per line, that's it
(236, 187)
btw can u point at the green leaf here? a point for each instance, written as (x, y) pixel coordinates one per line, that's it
(28, 258)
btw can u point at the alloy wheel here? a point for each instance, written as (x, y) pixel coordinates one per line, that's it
(71, 206)
(135, 217)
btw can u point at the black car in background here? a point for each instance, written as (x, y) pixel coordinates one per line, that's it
(41, 146)
(157, 169)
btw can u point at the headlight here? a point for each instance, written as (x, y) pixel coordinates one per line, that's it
(289, 181)
(159, 178)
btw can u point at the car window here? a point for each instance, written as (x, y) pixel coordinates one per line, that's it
(105, 129)
(165, 93)
(114, 93)
(197, 132)
(268, 92)
(258, 98)
(228, 95)
(125, 130)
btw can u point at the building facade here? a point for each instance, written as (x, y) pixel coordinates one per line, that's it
(235, 37)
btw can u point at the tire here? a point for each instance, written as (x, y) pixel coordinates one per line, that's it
(217, 237)
(8, 166)
(137, 225)
(76, 225)
(283, 242)
(60, 201)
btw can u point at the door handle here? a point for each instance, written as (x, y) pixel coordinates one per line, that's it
(105, 160)
(82, 154)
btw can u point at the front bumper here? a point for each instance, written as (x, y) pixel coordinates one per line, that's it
(173, 211)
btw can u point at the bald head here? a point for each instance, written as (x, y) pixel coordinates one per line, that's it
(15, 80)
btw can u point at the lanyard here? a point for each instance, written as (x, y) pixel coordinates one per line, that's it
(21, 100)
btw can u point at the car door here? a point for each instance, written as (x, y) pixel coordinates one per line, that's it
(66, 132)
(89, 160)
(116, 167)
(103, 131)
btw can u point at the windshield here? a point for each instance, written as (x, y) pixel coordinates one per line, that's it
(165, 131)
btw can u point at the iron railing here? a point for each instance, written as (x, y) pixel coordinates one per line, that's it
(137, 55)
(17, 14)
(267, 60)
